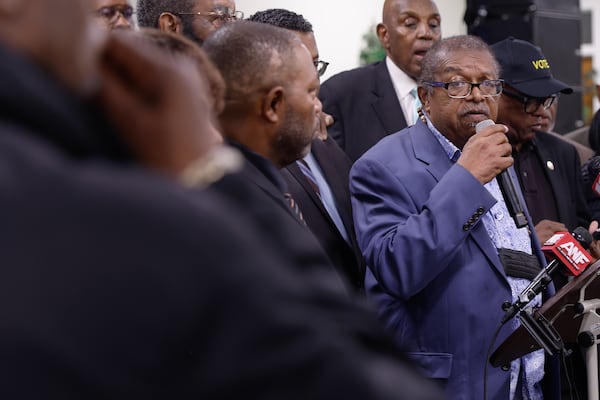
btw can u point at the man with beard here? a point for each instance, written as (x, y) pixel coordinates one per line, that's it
(319, 181)
(195, 19)
(272, 114)
(119, 283)
(371, 102)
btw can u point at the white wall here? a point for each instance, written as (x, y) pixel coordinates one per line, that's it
(339, 25)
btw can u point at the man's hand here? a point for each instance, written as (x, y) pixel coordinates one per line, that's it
(487, 153)
(326, 120)
(158, 104)
(595, 245)
(546, 228)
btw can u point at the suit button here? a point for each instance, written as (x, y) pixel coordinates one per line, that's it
(480, 211)
(466, 227)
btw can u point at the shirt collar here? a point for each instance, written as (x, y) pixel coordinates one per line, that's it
(450, 149)
(403, 83)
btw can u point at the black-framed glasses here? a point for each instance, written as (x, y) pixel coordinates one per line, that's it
(217, 17)
(111, 13)
(462, 89)
(531, 104)
(321, 66)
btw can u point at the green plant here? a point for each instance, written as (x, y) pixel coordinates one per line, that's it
(372, 50)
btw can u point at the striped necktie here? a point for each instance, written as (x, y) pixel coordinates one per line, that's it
(294, 206)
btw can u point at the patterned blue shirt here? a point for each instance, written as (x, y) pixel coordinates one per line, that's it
(504, 233)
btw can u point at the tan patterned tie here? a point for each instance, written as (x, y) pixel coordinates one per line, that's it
(294, 206)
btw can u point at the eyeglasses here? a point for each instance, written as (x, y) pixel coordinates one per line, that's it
(462, 89)
(111, 13)
(218, 17)
(321, 66)
(532, 103)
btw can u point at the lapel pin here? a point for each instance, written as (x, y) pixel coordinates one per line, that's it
(550, 165)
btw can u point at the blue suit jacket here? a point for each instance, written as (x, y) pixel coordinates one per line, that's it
(434, 273)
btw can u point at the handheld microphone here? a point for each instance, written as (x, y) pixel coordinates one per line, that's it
(567, 253)
(507, 187)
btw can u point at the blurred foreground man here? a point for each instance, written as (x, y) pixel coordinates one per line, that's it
(118, 283)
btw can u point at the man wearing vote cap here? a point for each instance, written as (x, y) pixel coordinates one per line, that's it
(548, 168)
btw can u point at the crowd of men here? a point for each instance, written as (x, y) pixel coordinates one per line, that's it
(191, 212)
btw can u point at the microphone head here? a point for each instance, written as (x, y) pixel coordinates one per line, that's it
(483, 124)
(583, 237)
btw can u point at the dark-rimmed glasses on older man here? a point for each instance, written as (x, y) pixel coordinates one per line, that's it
(531, 104)
(462, 89)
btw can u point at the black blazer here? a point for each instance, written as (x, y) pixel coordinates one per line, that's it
(364, 107)
(118, 283)
(565, 179)
(335, 166)
(264, 201)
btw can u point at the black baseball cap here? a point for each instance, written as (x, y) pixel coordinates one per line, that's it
(525, 68)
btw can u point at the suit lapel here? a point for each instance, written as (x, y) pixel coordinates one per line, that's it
(428, 150)
(546, 155)
(295, 171)
(335, 166)
(385, 103)
(264, 184)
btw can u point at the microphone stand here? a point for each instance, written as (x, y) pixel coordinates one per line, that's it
(588, 336)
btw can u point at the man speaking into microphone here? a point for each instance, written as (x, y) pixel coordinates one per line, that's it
(443, 251)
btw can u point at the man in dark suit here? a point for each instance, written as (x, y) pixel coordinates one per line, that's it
(116, 281)
(371, 102)
(548, 168)
(272, 114)
(319, 181)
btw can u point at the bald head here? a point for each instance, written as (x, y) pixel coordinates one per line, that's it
(408, 29)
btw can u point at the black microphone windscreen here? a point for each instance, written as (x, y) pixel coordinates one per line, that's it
(583, 236)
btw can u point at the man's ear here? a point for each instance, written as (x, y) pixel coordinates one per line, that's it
(169, 22)
(382, 34)
(272, 104)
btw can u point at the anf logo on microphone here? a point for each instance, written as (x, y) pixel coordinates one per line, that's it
(562, 245)
(574, 253)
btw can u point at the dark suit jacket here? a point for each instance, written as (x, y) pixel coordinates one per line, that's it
(118, 284)
(335, 166)
(364, 107)
(565, 179)
(264, 200)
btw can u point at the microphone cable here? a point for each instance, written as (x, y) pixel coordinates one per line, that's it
(487, 360)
